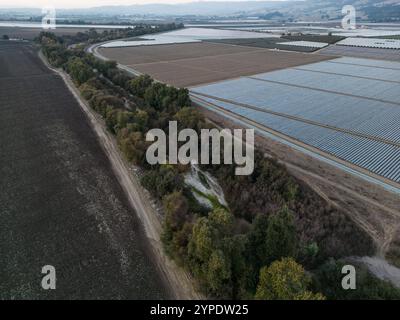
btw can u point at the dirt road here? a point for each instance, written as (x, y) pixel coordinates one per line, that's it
(180, 282)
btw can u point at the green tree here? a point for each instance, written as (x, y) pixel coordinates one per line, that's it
(291, 191)
(285, 280)
(87, 91)
(139, 85)
(208, 235)
(79, 71)
(182, 98)
(201, 244)
(156, 96)
(189, 117)
(281, 239)
(123, 118)
(132, 145)
(101, 102)
(176, 208)
(222, 221)
(257, 236)
(111, 119)
(241, 270)
(210, 254)
(163, 180)
(328, 280)
(219, 275)
(176, 225)
(141, 119)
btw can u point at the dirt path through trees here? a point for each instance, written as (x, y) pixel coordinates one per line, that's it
(180, 282)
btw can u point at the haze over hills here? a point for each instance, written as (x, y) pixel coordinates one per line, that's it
(196, 8)
(374, 10)
(191, 8)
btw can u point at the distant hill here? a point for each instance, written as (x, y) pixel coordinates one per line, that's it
(202, 8)
(309, 10)
(376, 10)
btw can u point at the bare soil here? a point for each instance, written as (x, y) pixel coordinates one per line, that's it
(185, 65)
(60, 203)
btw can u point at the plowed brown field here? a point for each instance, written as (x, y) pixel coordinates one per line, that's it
(60, 203)
(190, 64)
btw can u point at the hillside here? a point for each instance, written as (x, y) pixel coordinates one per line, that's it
(309, 10)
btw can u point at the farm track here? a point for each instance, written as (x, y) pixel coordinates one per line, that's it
(179, 281)
(60, 203)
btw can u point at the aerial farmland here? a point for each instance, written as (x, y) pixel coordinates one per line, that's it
(329, 110)
(317, 100)
(332, 115)
(189, 64)
(60, 203)
(109, 118)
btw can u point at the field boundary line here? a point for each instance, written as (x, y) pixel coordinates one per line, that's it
(363, 65)
(345, 75)
(322, 90)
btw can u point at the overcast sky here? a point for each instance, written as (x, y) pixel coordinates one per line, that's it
(85, 3)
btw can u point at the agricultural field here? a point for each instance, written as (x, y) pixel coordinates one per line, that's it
(185, 65)
(213, 33)
(267, 43)
(279, 42)
(186, 35)
(395, 37)
(314, 38)
(326, 106)
(371, 43)
(60, 203)
(369, 53)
